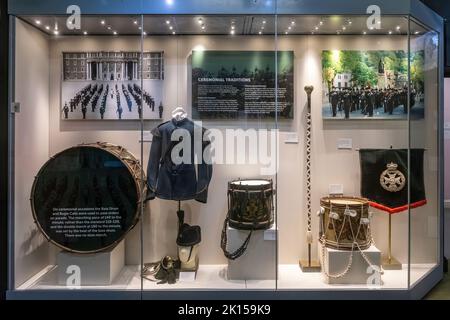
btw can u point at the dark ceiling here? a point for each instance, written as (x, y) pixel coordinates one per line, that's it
(222, 25)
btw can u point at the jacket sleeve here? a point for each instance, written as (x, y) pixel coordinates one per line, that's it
(153, 164)
(205, 170)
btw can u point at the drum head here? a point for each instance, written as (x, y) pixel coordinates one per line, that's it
(343, 201)
(346, 202)
(85, 199)
(251, 183)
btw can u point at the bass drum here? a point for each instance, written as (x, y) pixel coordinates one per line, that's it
(87, 198)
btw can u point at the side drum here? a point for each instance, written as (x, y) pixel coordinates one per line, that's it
(250, 204)
(345, 223)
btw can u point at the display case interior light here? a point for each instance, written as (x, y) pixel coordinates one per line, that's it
(192, 24)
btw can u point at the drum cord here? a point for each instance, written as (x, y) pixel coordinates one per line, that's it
(224, 242)
(355, 243)
(224, 239)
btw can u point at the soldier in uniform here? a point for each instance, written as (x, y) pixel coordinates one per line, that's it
(66, 111)
(340, 99)
(355, 100)
(93, 104)
(363, 101)
(390, 102)
(152, 104)
(347, 103)
(84, 110)
(161, 108)
(102, 112)
(120, 111)
(334, 98)
(371, 103)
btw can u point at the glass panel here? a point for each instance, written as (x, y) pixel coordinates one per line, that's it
(219, 73)
(78, 82)
(424, 195)
(357, 70)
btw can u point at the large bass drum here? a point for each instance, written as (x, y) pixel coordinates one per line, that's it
(345, 223)
(87, 198)
(250, 204)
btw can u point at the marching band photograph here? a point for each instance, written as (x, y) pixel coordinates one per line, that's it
(372, 84)
(108, 86)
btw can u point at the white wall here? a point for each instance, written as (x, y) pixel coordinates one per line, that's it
(32, 145)
(329, 164)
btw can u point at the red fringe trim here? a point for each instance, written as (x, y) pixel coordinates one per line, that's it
(399, 209)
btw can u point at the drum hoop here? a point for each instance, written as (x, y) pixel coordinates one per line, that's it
(346, 246)
(327, 201)
(103, 146)
(236, 186)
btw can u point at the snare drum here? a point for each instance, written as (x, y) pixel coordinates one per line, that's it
(250, 204)
(345, 223)
(87, 198)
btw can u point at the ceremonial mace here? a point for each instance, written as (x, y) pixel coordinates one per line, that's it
(309, 265)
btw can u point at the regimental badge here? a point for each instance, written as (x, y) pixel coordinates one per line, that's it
(392, 179)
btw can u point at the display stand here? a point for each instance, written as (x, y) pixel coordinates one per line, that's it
(94, 269)
(389, 262)
(360, 272)
(259, 260)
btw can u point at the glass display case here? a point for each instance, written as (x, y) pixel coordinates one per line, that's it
(208, 150)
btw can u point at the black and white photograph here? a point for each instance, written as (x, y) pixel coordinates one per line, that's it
(108, 86)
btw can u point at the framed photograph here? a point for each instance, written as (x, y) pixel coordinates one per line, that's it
(372, 85)
(112, 86)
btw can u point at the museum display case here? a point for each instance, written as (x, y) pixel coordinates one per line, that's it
(256, 149)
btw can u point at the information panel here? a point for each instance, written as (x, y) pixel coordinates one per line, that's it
(242, 84)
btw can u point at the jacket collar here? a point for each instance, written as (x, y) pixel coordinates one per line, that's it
(175, 122)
